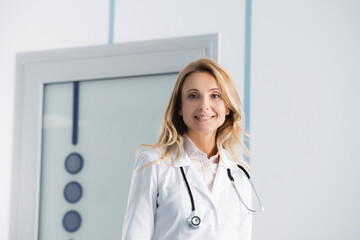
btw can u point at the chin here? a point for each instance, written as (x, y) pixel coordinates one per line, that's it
(203, 131)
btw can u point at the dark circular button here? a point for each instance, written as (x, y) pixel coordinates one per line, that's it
(73, 192)
(72, 221)
(74, 163)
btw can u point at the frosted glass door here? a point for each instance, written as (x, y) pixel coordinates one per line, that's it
(84, 184)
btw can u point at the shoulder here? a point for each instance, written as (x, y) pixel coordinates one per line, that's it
(151, 154)
(232, 163)
(226, 157)
(148, 158)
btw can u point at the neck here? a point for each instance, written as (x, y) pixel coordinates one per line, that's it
(204, 142)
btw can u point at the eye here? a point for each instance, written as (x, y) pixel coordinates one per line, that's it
(215, 95)
(192, 96)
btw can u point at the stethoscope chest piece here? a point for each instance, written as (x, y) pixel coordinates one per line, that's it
(194, 221)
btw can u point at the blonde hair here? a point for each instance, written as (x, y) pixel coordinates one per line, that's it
(229, 135)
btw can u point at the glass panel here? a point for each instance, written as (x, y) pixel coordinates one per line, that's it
(84, 187)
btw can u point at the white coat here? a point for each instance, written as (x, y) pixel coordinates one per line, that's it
(159, 204)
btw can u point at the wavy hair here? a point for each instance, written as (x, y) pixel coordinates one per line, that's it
(229, 135)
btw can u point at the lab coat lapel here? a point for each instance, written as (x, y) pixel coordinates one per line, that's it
(193, 177)
(195, 180)
(221, 179)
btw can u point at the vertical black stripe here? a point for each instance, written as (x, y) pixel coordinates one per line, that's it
(75, 114)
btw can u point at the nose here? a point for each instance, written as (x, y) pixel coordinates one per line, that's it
(204, 104)
(203, 108)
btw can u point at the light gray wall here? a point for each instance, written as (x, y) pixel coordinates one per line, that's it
(305, 116)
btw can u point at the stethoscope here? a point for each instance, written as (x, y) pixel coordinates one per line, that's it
(194, 221)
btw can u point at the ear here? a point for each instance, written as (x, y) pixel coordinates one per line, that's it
(227, 111)
(180, 112)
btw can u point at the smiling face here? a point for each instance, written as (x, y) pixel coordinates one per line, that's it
(202, 107)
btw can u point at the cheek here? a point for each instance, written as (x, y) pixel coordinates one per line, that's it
(186, 109)
(222, 109)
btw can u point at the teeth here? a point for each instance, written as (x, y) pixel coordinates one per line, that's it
(204, 117)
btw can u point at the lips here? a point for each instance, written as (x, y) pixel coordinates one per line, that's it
(203, 118)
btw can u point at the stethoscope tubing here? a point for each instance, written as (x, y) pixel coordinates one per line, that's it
(251, 211)
(194, 221)
(194, 216)
(189, 190)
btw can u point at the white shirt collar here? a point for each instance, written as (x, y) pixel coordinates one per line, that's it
(193, 152)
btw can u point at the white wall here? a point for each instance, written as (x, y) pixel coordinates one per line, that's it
(305, 116)
(41, 25)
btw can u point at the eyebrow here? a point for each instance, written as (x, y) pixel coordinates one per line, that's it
(212, 89)
(197, 90)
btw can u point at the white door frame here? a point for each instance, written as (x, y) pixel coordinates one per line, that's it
(35, 69)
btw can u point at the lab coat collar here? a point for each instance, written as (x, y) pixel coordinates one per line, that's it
(225, 160)
(228, 162)
(183, 161)
(194, 177)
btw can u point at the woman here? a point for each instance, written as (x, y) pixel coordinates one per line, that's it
(180, 187)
